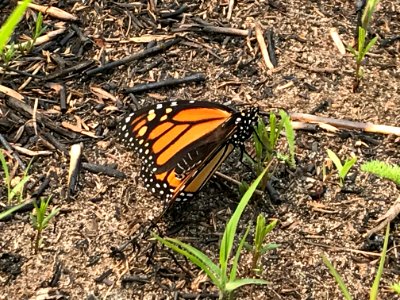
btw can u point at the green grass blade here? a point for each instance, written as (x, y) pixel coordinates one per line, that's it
(259, 235)
(369, 45)
(18, 188)
(195, 256)
(230, 230)
(346, 167)
(335, 159)
(374, 289)
(337, 277)
(6, 172)
(290, 137)
(235, 262)
(8, 27)
(233, 285)
(50, 216)
(361, 41)
(10, 210)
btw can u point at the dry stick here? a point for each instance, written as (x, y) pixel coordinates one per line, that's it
(213, 29)
(315, 69)
(263, 46)
(367, 127)
(238, 183)
(52, 11)
(53, 141)
(41, 40)
(11, 69)
(31, 152)
(27, 111)
(164, 83)
(175, 13)
(105, 170)
(388, 217)
(230, 9)
(74, 168)
(136, 56)
(269, 34)
(73, 69)
(14, 154)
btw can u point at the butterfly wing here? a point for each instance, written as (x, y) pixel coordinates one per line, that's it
(181, 144)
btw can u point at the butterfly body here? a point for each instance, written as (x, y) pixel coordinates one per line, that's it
(182, 143)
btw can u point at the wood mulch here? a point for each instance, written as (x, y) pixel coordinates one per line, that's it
(73, 87)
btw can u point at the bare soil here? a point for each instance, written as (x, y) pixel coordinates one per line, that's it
(79, 258)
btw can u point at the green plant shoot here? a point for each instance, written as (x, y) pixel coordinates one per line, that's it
(18, 189)
(40, 219)
(369, 9)
(396, 288)
(220, 275)
(382, 169)
(342, 169)
(261, 232)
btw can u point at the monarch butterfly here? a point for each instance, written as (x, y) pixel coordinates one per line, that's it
(182, 143)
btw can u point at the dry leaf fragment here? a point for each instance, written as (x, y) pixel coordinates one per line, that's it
(11, 93)
(338, 42)
(102, 94)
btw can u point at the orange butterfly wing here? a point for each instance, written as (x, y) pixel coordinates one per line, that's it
(182, 143)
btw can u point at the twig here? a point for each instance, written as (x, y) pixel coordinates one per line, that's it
(52, 11)
(73, 69)
(315, 69)
(367, 127)
(175, 13)
(230, 179)
(42, 39)
(74, 168)
(53, 141)
(269, 34)
(230, 9)
(164, 83)
(106, 170)
(213, 29)
(13, 153)
(31, 152)
(136, 56)
(27, 111)
(8, 68)
(263, 46)
(388, 217)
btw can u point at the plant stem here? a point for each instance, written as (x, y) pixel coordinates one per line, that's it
(37, 241)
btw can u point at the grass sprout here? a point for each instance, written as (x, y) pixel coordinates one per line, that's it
(266, 140)
(261, 232)
(342, 169)
(363, 45)
(40, 219)
(18, 189)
